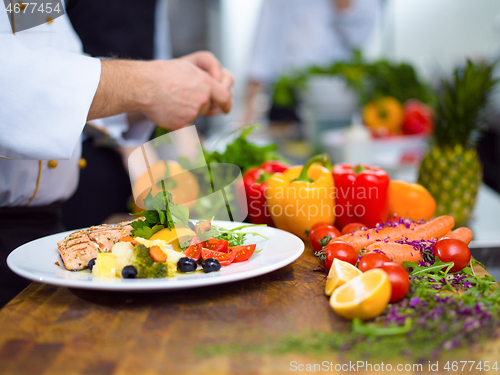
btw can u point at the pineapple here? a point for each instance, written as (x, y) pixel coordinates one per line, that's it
(451, 169)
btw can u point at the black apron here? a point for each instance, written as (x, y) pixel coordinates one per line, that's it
(114, 28)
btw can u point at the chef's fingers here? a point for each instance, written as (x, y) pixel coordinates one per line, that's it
(227, 79)
(208, 62)
(220, 95)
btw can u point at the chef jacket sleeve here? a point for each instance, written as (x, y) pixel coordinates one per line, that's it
(118, 132)
(45, 99)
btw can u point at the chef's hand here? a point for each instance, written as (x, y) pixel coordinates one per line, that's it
(180, 91)
(206, 61)
(170, 93)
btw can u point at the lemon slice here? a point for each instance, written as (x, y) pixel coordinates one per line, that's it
(104, 265)
(340, 273)
(364, 297)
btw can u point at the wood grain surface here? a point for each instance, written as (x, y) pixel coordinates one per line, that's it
(54, 330)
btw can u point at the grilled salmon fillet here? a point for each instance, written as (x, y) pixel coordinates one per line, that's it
(79, 247)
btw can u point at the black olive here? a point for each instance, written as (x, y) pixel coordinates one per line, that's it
(129, 272)
(191, 225)
(186, 264)
(91, 264)
(210, 265)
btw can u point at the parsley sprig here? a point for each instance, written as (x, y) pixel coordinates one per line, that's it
(160, 213)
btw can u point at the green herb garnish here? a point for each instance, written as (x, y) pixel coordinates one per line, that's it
(160, 213)
(233, 236)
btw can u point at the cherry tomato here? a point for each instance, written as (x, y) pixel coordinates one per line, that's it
(224, 259)
(193, 251)
(320, 225)
(215, 244)
(400, 282)
(371, 260)
(351, 227)
(317, 236)
(243, 252)
(452, 250)
(340, 250)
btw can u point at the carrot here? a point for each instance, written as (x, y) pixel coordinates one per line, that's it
(363, 238)
(462, 233)
(432, 229)
(398, 252)
(157, 254)
(126, 239)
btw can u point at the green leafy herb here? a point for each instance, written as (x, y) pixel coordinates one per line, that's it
(160, 213)
(233, 236)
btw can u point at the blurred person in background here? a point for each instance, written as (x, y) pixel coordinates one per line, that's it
(295, 34)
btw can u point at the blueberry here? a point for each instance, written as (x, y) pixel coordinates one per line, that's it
(91, 264)
(186, 264)
(129, 272)
(210, 265)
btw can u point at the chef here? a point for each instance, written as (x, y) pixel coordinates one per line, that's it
(50, 90)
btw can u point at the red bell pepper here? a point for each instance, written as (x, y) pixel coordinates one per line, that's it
(255, 182)
(361, 195)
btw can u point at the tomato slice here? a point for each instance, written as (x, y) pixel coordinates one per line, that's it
(215, 244)
(224, 259)
(194, 249)
(243, 252)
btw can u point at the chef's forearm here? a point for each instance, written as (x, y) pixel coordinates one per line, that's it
(170, 93)
(119, 89)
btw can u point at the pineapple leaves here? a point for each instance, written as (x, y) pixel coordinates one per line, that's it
(460, 109)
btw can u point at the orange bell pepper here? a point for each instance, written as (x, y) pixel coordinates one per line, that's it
(410, 201)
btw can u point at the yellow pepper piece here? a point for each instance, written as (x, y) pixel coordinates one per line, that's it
(301, 196)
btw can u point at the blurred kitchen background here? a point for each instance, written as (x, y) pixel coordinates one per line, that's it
(432, 36)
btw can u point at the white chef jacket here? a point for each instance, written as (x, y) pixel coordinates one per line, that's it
(294, 34)
(47, 89)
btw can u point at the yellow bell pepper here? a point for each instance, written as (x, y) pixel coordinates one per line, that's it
(301, 196)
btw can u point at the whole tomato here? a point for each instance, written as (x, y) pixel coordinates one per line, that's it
(351, 227)
(320, 225)
(339, 250)
(321, 235)
(400, 282)
(452, 250)
(417, 118)
(371, 260)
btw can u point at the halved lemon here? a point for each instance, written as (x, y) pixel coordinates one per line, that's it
(340, 273)
(174, 236)
(365, 297)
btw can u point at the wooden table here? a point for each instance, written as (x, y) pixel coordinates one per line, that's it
(55, 330)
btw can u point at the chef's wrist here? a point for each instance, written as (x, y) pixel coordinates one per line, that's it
(120, 89)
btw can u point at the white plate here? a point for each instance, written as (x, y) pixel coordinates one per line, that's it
(37, 259)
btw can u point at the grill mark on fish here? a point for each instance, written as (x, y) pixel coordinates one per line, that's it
(79, 247)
